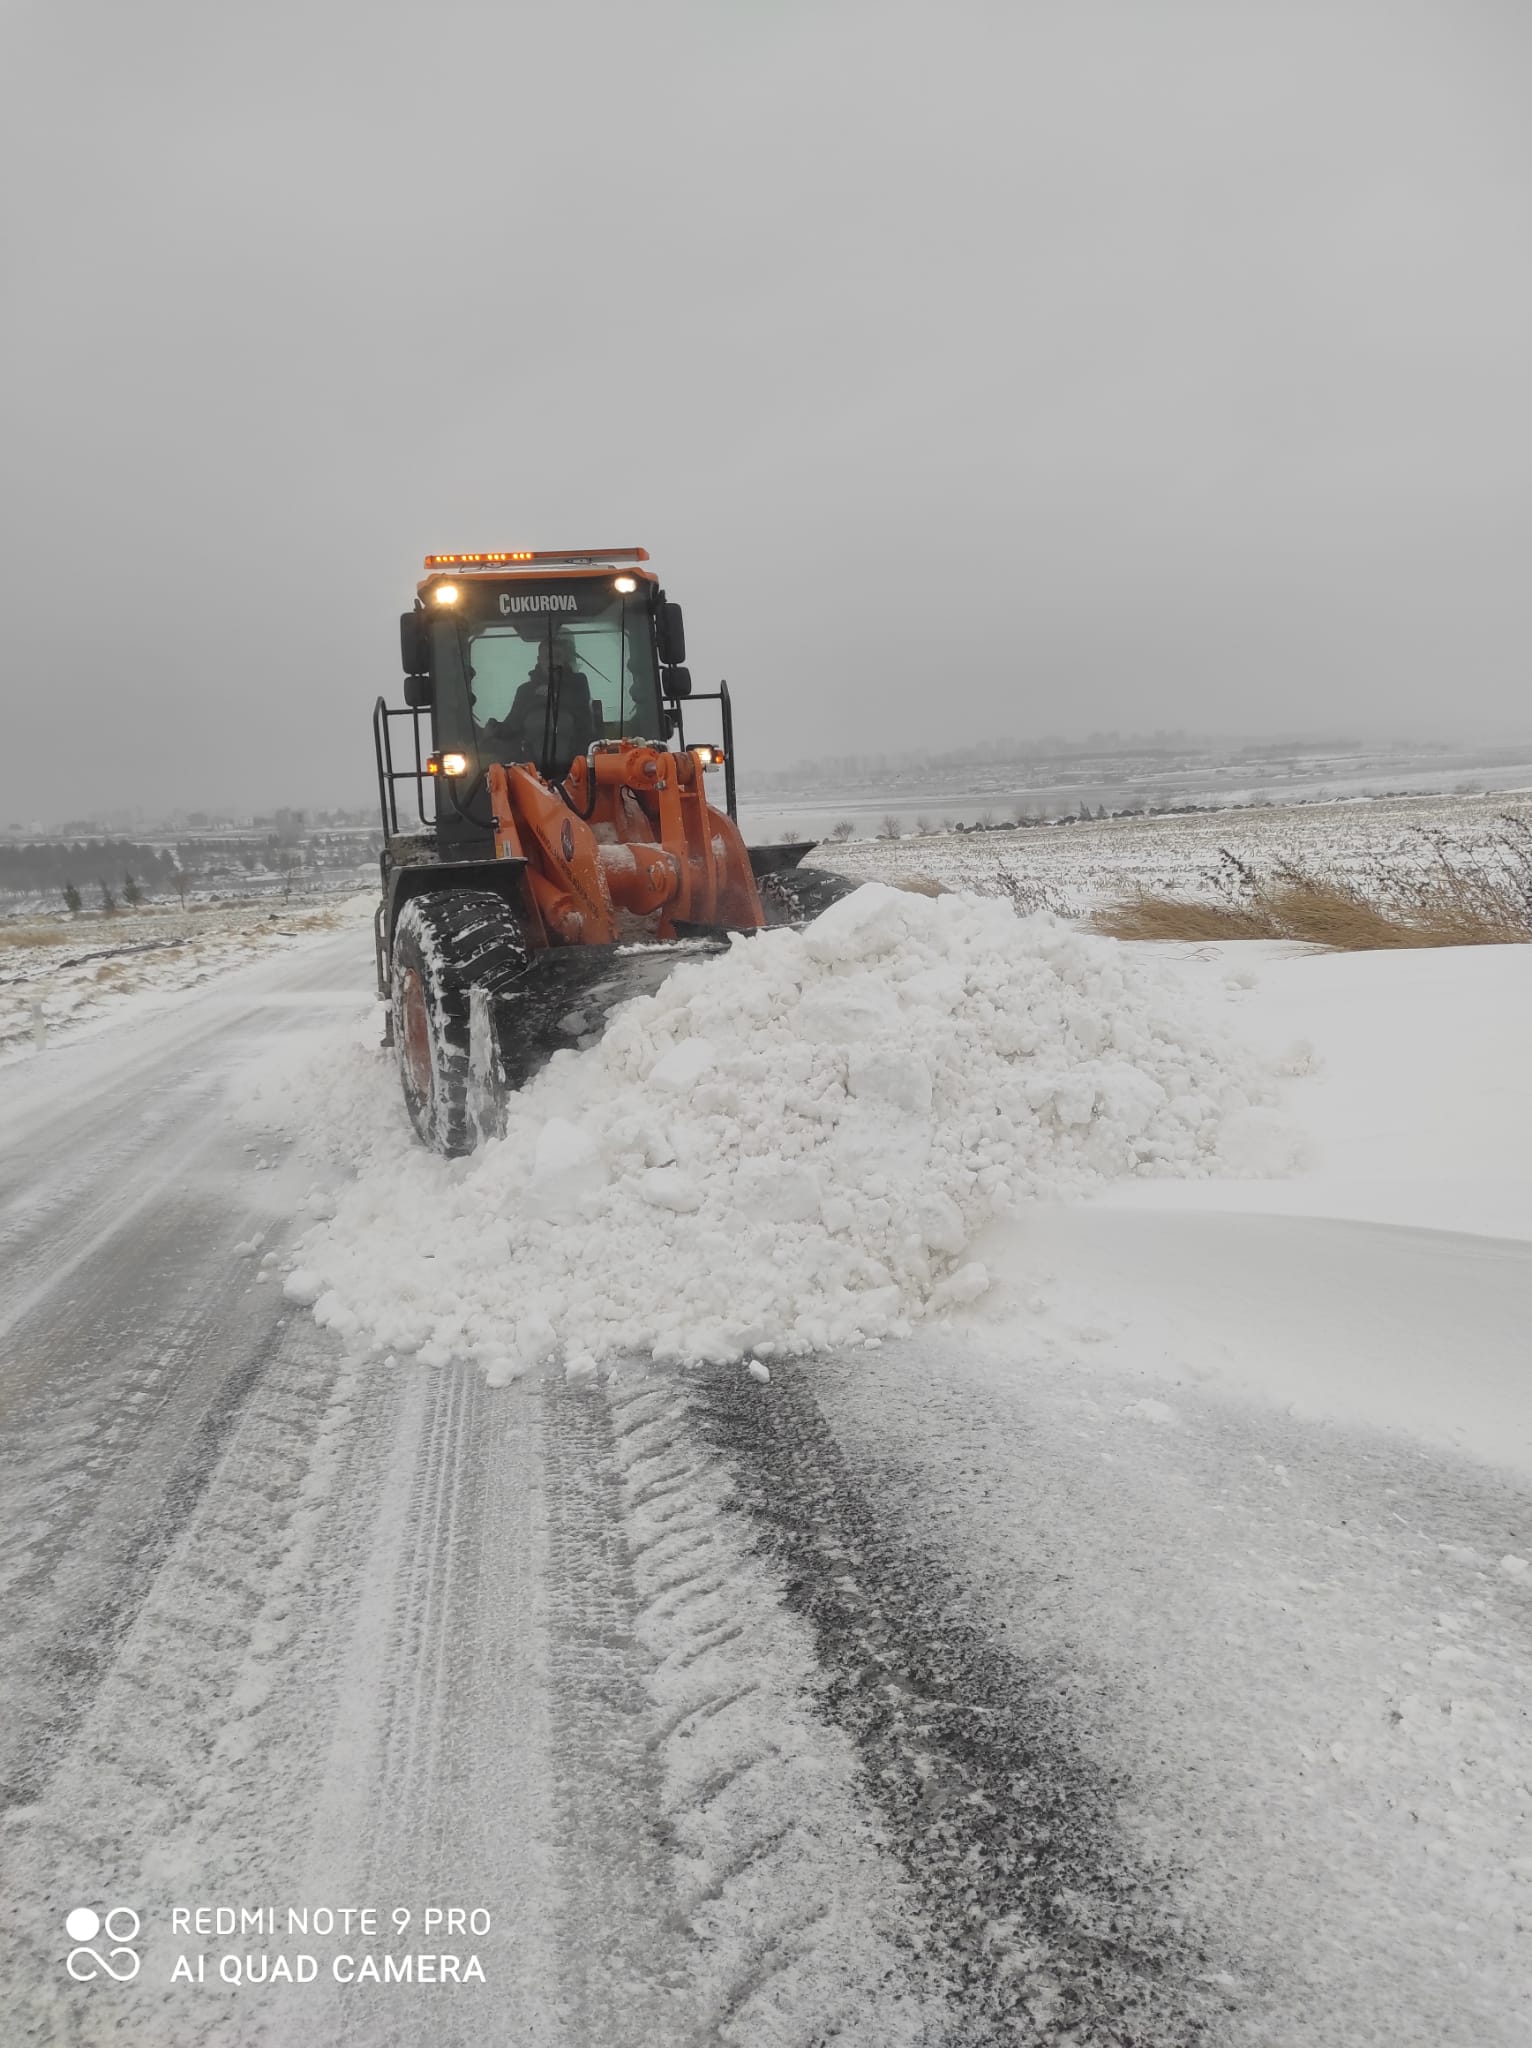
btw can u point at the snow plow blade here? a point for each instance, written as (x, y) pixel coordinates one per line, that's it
(791, 893)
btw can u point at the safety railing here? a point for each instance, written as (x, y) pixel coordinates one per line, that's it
(720, 697)
(390, 776)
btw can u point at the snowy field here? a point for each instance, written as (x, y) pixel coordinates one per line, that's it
(1078, 867)
(60, 974)
(950, 1482)
(925, 797)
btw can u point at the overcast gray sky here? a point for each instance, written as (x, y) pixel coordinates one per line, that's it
(967, 368)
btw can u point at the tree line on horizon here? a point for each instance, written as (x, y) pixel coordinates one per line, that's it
(113, 870)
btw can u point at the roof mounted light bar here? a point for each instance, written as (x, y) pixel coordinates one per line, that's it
(585, 557)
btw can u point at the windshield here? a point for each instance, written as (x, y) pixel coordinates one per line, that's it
(578, 646)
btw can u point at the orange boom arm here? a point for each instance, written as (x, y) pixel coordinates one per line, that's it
(636, 850)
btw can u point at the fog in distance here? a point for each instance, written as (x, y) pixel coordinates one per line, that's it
(968, 370)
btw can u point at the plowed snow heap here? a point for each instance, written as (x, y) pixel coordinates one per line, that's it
(797, 1145)
(561, 848)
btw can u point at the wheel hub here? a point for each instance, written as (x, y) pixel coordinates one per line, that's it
(415, 1033)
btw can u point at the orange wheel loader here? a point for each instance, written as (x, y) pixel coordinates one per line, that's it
(560, 849)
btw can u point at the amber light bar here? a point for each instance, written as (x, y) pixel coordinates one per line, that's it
(538, 555)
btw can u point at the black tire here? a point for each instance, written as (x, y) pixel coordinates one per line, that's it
(446, 944)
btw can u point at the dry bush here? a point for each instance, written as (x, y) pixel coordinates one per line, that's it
(922, 885)
(1467, 896)
(1449, 894)
(1025, 893)
(1332, 914)
(1169, 917)
(28, 935)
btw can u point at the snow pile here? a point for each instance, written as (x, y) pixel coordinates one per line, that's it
(792, 1145)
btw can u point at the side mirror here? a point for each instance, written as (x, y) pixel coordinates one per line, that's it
(419, 692)
(671, 633)
(414, 643)
(676, 682)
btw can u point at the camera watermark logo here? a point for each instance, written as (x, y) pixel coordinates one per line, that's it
(119, 1925)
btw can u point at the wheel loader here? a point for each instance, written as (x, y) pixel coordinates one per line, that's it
(549, 848)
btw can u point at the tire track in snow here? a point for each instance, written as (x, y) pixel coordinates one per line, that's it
(184, 1775)
(795, 1917)
(1056, 1931)
(620, 1966)
(104, 1473)
(438, 1786)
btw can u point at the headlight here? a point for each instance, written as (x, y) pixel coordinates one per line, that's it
(447, 764)
(445, 593)
(625, 584)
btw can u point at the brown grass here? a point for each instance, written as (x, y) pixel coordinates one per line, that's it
(1326, 914)
(1451, 896)
(1168, 917)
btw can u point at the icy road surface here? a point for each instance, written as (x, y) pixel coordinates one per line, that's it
(1002, 1684)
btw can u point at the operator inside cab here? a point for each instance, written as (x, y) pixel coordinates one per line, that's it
(552, 718)
(537, 670)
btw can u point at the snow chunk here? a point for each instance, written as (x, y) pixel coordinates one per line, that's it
(967, 1284)
(678, 1071)
(870, 922)
(666, 1187)
(882, 1073)
(847, 1012)
(566, 1165)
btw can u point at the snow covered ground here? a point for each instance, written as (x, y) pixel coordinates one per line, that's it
(58, 974)
(1389, 1281)
(933, 797)
(1079, 866)
(1219, 1325)
(950, 1482)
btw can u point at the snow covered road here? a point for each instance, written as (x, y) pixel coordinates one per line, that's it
(286, 1635)
(1060, 1675)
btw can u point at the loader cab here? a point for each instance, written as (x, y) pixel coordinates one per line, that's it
(532, 662)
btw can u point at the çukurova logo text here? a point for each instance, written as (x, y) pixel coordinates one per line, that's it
(119, 1925)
